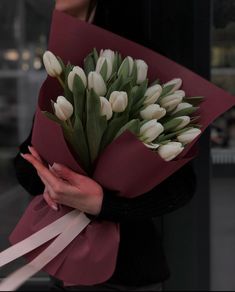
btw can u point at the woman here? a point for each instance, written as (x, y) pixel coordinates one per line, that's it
(141, 263)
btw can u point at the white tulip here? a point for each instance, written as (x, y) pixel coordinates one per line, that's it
(106, 109)
(63, 108)
(170, 150)
(182, 106)
(52, 64)
(177, 82)
(142, 71)
(171, 101)
(150, 131)
(153, 111)
(152, 94)
(108, 54)
(76, 71)
(118, 101)
(185, 120)
(100, 64)
(96, 82)
(152, 146)
(189, 135)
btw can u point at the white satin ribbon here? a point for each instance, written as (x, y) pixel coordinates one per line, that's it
(69, 227)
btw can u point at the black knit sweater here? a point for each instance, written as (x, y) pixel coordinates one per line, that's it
(141, 259)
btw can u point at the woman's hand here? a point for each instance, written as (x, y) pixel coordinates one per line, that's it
(66, 187)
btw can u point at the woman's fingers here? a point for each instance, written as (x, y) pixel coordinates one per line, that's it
(49, 201)
(44, 172)
(35, 153)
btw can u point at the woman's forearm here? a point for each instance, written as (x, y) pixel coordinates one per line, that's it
(170, 195)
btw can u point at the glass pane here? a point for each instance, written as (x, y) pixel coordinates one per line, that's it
(24, 30)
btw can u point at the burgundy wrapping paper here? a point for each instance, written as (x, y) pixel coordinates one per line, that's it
(125, 166)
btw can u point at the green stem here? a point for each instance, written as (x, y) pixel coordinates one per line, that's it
(61, 81)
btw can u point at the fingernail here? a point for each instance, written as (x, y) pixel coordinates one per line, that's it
(22, 154)
(54, 207)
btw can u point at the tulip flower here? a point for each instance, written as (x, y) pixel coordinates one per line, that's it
(76, 71)
(106, 109)
(118, 101)
(189, 135)
(150, 131)
(108, 54)
(171, 101)
(153, 111)
(142, 71)
(52, 64)
(177, 82)
(63, 108)
(185, 120)
(131, 64)
(170, 150)
(182, 106)
(152, 94)
(96, 82)
(101, 61)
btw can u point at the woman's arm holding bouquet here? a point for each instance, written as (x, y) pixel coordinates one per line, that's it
(74, 190)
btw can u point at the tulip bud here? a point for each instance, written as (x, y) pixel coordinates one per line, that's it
(100, 64)
(96, 82)
(131, 64)
(153, 111)
(185, 120)
(142, 71)
(171, 101)
(177, 82)
(170, 150)
(106, 109)
(108, 54)
(52, 64)
(63, 108)
(119, 101)
(76, 71)
(182, 106)
(189, 135)
(150, 131)
(152, 94)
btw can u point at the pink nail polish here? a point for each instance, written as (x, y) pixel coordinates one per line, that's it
(54, 207)
(22, 154)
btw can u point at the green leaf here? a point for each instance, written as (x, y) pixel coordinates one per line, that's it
(134, 74)
(77, 139)
(115, 86)
(195, 100)
(67, 93)
(89, 64)
(104, 70)
(185, 112)
(115, 64)
(165, 91)
(139, 98)
(95, 124)
(172, 124)
(52, 117)
(95, 55)
(133, 126)
(124, 69)
(79, 95)
(171, 136)
(114, 126)
(62, 65)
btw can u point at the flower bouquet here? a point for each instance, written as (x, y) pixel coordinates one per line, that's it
(109, 118)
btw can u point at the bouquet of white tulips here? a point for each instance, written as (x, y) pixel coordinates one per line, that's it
(110, 95)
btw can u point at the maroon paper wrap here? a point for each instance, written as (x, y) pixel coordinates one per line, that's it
(125, 166)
